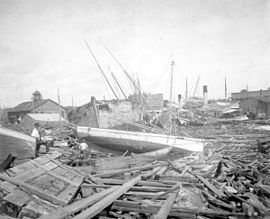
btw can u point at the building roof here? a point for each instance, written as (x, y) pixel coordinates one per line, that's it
(46, 117)
(30, 105)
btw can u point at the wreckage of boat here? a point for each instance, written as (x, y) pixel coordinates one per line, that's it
(116, 141)
(18, 144)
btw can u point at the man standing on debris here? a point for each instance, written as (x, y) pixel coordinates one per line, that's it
(39, 142)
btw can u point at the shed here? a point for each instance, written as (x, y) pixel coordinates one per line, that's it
(38, 106)
(44, 119)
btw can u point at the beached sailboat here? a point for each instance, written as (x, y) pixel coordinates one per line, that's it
(117, 141)
(110, 140)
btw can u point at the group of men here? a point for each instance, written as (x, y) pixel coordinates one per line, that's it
(37, 133)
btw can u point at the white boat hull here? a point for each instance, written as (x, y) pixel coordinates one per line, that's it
(110, 140)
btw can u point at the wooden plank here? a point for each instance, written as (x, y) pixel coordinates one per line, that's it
(17, 197)
(77, 179)
(49, 166)
(99, 206)
(68, 193)
(8, 187)
(178, 179)
(166, 207)
(67, 168)
(22, 168)
(34, 190)
(64, 179)
(36, 207)
(59, 170)
(79, 205)
(111, 173)
(112, 181)
(147, 195)
(58, 176)
(167, 192)
(30, 174)
(42, 160)
(211, 187)
(175, 210)
(133, 188)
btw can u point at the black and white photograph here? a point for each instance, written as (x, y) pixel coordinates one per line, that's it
(134, 109)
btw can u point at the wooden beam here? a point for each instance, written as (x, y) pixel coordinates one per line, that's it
(133, 188)
(99, 206)
(166, 207)
(114, 172)
(167, 192)
(210, 186)
(176, 211)
(79, 205)
(141, 183)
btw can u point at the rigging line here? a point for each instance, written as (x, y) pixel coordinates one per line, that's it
(118, 83)
(100, 69)
(162, 74)
(129, 77)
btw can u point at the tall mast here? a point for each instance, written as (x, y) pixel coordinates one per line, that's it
(196, 86)
(226, 91)
(129, 77)
(124, 70)
(118, 83)
(100, 69)
(59, 108)
(171, 89)
(186, 88)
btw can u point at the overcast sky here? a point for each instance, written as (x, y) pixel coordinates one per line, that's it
(42, 46)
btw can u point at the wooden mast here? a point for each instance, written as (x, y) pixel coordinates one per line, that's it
(118, 84)
(226, 91)
(59, 108)
(100, 69)
(132, 80)
(196, 86)
(186, 88)
(171, 89)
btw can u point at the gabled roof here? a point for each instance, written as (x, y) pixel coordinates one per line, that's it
(30, 105)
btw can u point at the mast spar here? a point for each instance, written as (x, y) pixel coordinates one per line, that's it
(100, 69)
(118, 84)
(171, 89)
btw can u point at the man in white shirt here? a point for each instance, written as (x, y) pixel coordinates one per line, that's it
(39, 142)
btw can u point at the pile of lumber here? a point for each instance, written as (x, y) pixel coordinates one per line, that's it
(230, 181)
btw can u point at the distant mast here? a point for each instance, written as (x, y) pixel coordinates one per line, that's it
(226, 91)
(100, 69)
(58, 98)
(171, 89)
(186, 88)
(196, 86)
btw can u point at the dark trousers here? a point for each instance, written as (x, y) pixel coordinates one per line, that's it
(38, 144)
